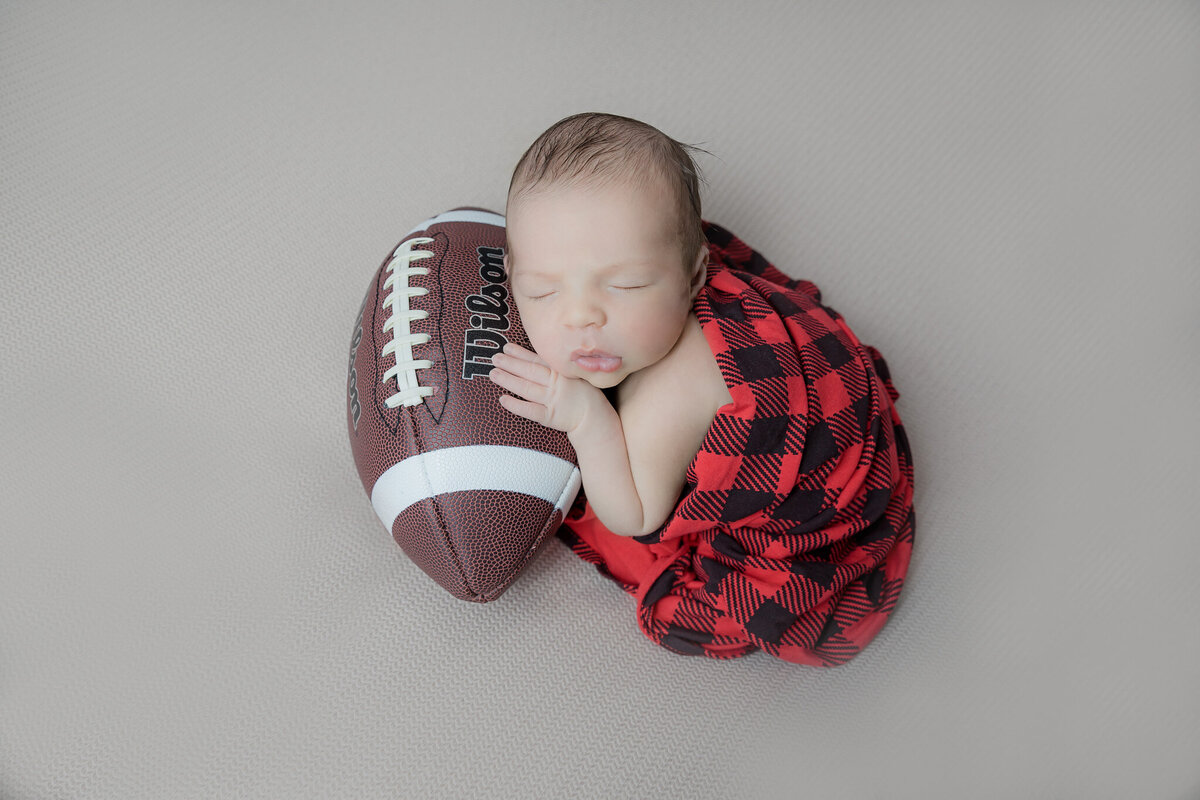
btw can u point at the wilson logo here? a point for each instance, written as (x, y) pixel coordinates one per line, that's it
(489, 315)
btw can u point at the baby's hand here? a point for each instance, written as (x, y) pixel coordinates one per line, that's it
(551, 399)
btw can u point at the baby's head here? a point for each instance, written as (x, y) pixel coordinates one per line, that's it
(605, 249)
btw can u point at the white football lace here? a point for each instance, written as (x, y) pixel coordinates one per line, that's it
(400, 267)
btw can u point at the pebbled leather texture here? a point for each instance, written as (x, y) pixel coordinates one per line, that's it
(475, 539)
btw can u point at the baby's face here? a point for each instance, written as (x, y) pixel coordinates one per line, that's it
(597, 276)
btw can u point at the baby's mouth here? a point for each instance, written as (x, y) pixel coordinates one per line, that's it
(596, 360)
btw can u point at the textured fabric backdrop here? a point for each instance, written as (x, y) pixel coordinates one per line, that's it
(196, 600)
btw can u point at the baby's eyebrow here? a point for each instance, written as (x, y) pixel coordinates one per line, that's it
(605, 271)
(611, 268)
(525, 272)
(623, 265)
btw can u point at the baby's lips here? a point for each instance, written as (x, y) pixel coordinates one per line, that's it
(596, 361)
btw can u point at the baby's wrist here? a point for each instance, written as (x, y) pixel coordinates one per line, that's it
(598, 424)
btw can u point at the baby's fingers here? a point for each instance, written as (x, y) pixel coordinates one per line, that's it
(516, 351)
(535, 371)
(523, 408)
(502, 377)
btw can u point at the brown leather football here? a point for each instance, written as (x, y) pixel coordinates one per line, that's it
(470, 491)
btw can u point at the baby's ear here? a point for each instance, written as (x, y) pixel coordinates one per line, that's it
(699, 272)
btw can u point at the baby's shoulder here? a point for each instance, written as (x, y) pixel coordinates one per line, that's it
(685, 381)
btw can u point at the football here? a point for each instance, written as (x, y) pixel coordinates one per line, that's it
(468, 490)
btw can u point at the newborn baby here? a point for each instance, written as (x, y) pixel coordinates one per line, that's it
(605, 257)
(746, 476)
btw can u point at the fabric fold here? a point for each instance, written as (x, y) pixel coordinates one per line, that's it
(794, 531)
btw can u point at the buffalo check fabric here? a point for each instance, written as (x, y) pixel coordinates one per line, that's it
(794, 530)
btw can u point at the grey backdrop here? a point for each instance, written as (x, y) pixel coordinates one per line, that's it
(196, 599)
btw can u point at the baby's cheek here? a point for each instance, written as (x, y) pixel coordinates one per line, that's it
(541, 342)
(531, 324)
(655, 333)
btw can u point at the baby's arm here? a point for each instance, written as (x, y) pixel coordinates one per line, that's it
(666, 411)
(595, 431)
(634, 464)
(616, 498)
(591, 423)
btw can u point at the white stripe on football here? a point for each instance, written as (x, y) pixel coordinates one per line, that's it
(474, 468)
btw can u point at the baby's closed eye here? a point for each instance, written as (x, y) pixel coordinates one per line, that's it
(535, 293)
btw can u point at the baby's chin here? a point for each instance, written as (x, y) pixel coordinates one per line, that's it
(605, 380)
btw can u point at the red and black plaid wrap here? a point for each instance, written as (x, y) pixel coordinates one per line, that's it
(794, 530)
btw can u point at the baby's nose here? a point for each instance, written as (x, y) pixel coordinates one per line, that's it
(584, 312)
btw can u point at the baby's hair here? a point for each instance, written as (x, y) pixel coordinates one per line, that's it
(594, 146)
